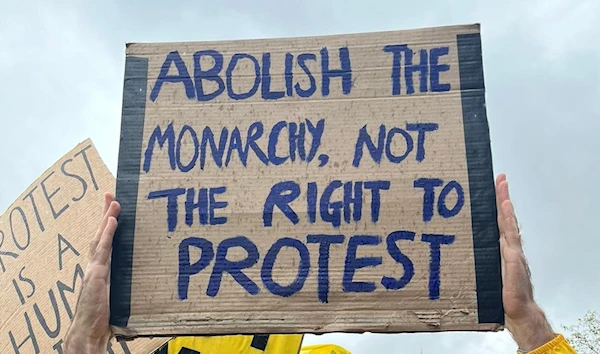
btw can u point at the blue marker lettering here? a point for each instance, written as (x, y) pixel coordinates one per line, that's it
(234, 268)
(196, 146)
(460, 200)
(396, 51)
(216, 152)
(388, 145)
(353, 263)
(232, 64)
(345, 72)
(267, 94)
(254, 133)
(353, 201)
(295, 140)
(182, 76)
(158, 137)
(273, 139)
(410, 68)
(217, 205)
(324, 241)
(302, 58)
(266, 273)
(235, 143)
(289, 74)
(434, 261)
(422, 128)
(375, 187)
(317, 133)
(171, 195)
(281, 195)
(201, 205)
(436, 69)
(211, 74)
(365, 138)
(186, 269)
(428, 185)
(398, 256)
(311, 202)
(331, 211)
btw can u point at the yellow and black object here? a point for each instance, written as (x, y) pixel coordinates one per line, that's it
(240, 344)
(324, 349)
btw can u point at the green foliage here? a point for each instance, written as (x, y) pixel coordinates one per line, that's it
(585, 335)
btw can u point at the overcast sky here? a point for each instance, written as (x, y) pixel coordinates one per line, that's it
(61, 67)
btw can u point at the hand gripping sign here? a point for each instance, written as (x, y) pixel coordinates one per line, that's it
(44, 241)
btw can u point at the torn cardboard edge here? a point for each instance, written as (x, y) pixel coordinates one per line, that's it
(433, 326)
(472, 26)
(87, 143)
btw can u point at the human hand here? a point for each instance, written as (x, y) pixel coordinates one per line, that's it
(524, 319)
(90, 332)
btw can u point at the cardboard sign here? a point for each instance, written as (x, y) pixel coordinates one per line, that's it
(44, 245)
(257, 344)
(324, 184)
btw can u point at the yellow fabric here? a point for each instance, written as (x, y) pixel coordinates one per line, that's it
(324, 349)
(558, 345)
(290, 344)
(276, 344)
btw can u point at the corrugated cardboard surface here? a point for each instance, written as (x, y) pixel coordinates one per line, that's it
(146, 254)
(44, 238)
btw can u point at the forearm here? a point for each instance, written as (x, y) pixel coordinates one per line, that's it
(78, 341)
(82, 348)
(533, 331)
(75, 345)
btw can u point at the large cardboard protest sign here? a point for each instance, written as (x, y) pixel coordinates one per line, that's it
(338, 183)
(44, 239)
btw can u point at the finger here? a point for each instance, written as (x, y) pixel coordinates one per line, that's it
(505, 195)
(113, 209)
(500, 198)
(504, 189)
(104, 248)
(507, 219)
(502, 257)
(108, 198)
(499, 180)
(501, 177)
(511, 229)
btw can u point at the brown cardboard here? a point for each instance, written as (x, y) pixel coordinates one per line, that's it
(44, 238)
(447, 92)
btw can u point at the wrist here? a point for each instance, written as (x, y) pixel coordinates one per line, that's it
(532, 330)
(77, 341)
(80, 345)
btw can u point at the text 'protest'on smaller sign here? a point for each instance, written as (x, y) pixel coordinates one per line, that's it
(338, 183)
